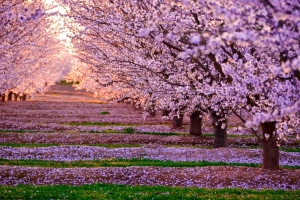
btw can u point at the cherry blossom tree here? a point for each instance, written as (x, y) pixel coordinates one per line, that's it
(196, 57)
(30, 50)
(138, 57)
(255, 42)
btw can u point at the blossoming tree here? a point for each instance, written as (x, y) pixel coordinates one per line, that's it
(30, 50)
(197, 57)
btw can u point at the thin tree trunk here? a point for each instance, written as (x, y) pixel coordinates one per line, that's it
(177, 122)
(270, 148)
(196, 123)
(3, 97)
(16, 97)
(9, 97)
(220, 132)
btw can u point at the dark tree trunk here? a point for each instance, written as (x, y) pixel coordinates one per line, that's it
(3, 97)
(9, 97)
(16, 97)
(152, 113)
(165, 113)
(270, 148)
(177, 122)
(23, 97)
(196, 123)
(220, 132)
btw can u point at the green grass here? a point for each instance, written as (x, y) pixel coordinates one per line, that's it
(123, 163)
(128, 192)
(48, 145)
(162, 133)
(16, 131)
(104, 113)
(129, 130)
(189, 146)
(286, 149)
(64, 82)
(25, 131)
(27, 145)
(117, 163)
(290, 149)
(98, 124)
(116, 145)
(240, 136)
(104, 131)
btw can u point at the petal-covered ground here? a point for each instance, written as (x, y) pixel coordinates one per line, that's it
(207, 177)
(72, 120)
(153, 152)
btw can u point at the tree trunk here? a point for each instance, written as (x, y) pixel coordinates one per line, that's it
(165, 113)
(177, 122)
(3, 97)
(270, 148)
(220, 132)
(23, 97)
(9, 97)
(16, 97)
(196, 123)
(152, 113)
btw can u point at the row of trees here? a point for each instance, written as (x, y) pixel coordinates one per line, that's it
(31, 56)
(195, 57)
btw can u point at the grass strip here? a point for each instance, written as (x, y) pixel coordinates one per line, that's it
(130, 130)
(19, 131)
(29, 145)
(128, 192)
(32, 145)
(64, 82)
(161, 133)
(123, 163)
(290, 149)
(105, 113)
(25, 131)
(98, 124)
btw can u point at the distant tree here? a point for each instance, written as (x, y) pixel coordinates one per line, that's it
(30, 52)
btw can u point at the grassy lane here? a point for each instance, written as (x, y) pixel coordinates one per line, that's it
(32, 145)
(110, 191)
(123, 163)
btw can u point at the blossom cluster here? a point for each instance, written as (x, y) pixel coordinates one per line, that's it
(192, 56)
(31, 56)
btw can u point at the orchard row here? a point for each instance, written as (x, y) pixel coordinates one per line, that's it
(195, 58)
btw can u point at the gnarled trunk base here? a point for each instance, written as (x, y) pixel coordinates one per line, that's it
(220, 132)
(9, 96)
(23, 97)
(177, 122)
(270, 147)
(165, 113)
(196, 123)
(152, 113)
(3, 97)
